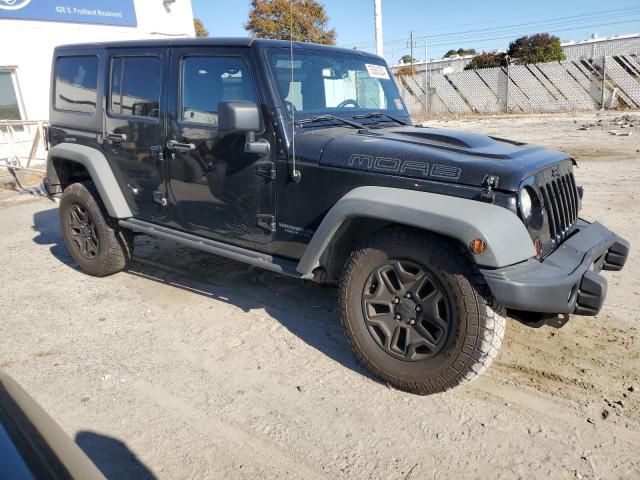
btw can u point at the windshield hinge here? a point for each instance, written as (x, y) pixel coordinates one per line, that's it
(266, 221)
(266, 170)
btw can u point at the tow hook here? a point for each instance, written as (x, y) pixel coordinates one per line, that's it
(490, 182)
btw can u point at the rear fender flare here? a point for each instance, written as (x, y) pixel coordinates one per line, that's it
(100, 171)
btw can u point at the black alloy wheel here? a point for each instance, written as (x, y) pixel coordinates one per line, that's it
(417, 312)
(94, 239)
(84, 233)
(406, 310)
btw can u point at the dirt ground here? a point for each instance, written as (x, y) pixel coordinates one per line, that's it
(191, 366)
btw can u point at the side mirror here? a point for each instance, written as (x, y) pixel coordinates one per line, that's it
(243, 117)
(238, 117)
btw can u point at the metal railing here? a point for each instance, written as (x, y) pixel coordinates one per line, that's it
(22, 144)
(22, 149)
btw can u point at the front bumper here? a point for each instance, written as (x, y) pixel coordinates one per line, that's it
(568, 280)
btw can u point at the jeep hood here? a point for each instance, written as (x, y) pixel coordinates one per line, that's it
(428, 153)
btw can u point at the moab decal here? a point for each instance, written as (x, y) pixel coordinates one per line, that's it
(412, 168)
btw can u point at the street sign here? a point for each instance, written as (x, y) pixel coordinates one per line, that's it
(101, 12)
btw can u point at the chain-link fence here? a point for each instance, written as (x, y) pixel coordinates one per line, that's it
(605, 83)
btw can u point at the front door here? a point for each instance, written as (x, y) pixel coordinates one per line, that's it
(134, 133)
(215, 188)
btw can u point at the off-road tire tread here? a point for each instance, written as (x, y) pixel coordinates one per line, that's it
(485, 316)
(116, 243)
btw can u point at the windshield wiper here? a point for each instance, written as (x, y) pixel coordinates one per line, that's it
(379, 115)
(325, 118)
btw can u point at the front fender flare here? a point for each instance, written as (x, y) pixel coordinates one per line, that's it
(100, 171)
(508, 241)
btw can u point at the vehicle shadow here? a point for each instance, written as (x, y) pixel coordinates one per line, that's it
(112, 456)
(306, 309)
(47, 224)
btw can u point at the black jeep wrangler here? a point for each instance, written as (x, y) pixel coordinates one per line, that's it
(302, 159)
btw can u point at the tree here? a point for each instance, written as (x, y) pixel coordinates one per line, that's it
(403, 72)
(407, 59)
(461, 52)
(486, 60)
(273, 19)
(200, 30)
(537, 48)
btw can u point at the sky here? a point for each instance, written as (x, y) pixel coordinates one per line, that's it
(443, 25)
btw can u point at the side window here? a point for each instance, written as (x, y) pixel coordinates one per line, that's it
(135, 86)
(116, 88)
(208, 80)
(76, 84)
(9, 105)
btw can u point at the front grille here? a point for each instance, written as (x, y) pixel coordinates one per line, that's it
(561, 203)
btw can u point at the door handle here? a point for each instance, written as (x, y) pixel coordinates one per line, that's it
(180, 147)
(117, 137)
(157, 151)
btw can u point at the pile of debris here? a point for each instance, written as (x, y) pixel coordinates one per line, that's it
(620, 126)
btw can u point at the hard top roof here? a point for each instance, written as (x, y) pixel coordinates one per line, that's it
(206, 42)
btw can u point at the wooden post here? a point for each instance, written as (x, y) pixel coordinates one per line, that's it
(34, 146)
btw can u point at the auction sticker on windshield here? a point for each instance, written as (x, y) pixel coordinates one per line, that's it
(377, 71)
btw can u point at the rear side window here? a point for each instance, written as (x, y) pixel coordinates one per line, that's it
(207, 80)
(76, 84)
(135, 86)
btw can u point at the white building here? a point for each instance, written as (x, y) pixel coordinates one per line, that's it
(595, 47)
(30, 29)
(444, 66)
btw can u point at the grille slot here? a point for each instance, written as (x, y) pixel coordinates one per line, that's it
(553, 228)
(560, 199)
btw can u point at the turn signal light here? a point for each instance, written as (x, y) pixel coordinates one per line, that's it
(478, 246)
(537, 244)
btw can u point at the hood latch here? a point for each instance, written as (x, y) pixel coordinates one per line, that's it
(490, 182)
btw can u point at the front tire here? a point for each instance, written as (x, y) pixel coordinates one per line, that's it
(417, 312)
(98, 246)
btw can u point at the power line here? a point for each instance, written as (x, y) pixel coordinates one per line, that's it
(548, 24)
(504, 19)
(575, 27)
(484, 40)
(554, 27)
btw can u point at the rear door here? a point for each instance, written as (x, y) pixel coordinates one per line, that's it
(216, 189)
(134, 129)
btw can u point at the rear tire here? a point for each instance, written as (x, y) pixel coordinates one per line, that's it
(94, 240)
(418, 313)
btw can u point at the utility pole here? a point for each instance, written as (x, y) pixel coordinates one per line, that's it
(377, 13)
(426, 76)
(604, 82)
(411, 54)
(506, 100)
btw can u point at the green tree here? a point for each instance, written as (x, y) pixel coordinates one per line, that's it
(486, 60)
(274, 19)
(407, 59)
(537, 48)
(200, 30)
(461, 52)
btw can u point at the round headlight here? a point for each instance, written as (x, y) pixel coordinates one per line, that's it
(526, 204)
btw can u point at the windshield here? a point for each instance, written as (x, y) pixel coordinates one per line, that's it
(335, 83)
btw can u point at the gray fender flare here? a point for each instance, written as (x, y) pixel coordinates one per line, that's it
(101, 174)
(508, 241)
